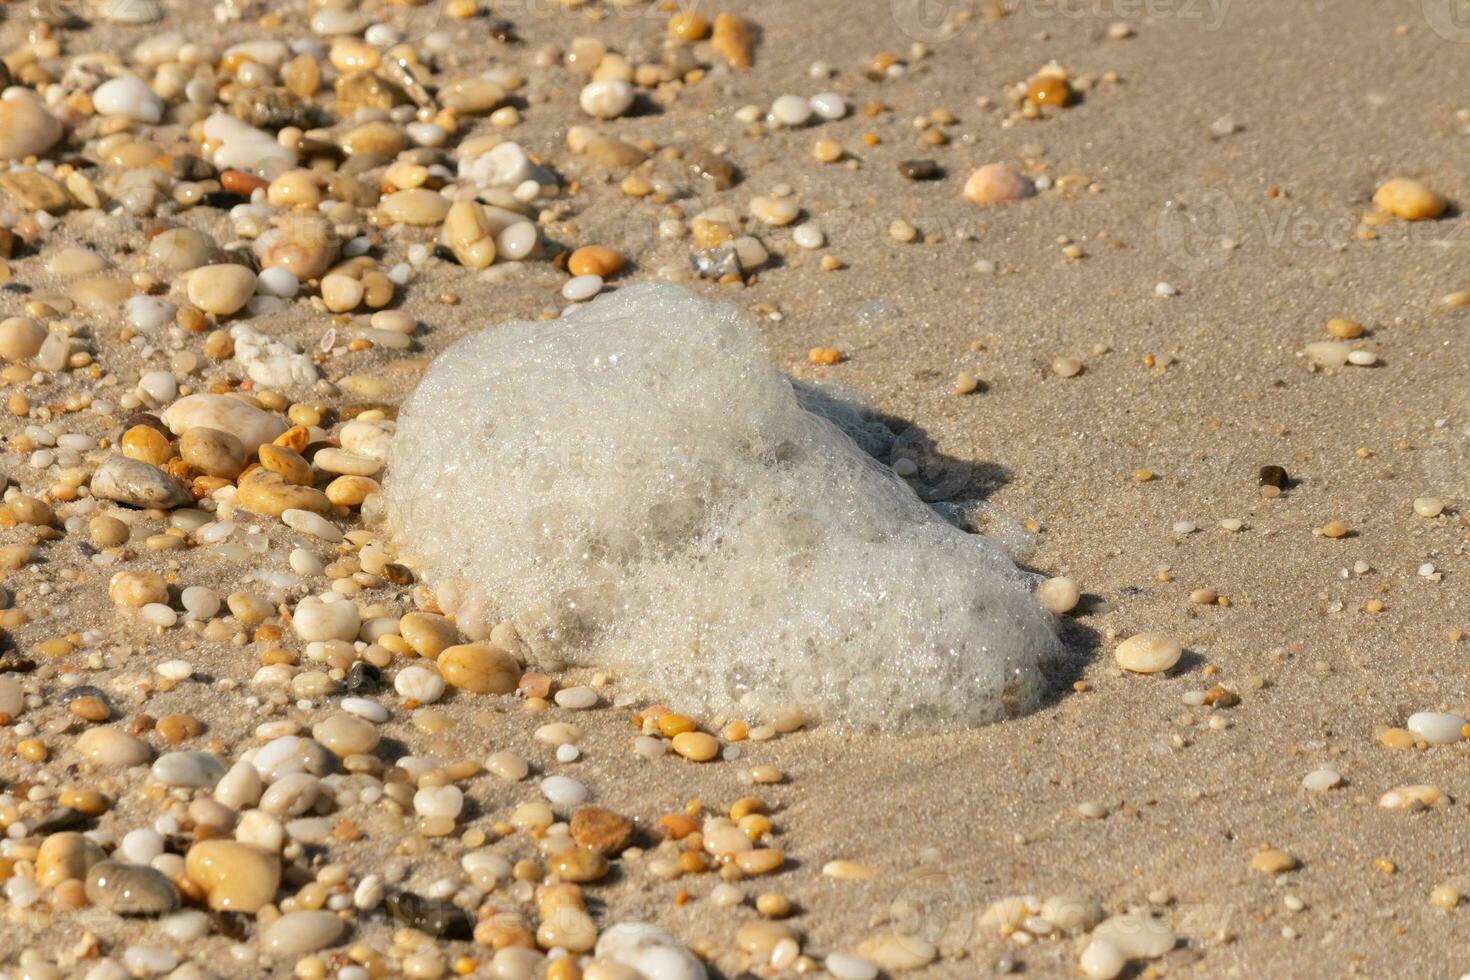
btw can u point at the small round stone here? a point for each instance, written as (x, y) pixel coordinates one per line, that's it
(130, 889)
(1148, 653)
(1409, 199)
(1428, 506)
(1272, 861)
(1059, 595)
(298, 933)
(998, 183)
(606, 98)
(1102, 960)
(1436, 727)
(479, 668)
(235, 876)
(221, 289)
(696, 746)
(346, 735)
(563, 791)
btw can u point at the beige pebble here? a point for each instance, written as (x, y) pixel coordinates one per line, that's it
(998, 183)
(26, 129)
(416, 207)
(20, 338)
(1147, 653)
(696, 746)
(479, 668)
(235, 876)
(1272, 861)
(1059, 595)
(1409, 199)
(221, 289)
(137, 589)
(212, 452)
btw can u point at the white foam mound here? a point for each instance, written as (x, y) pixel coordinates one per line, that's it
(635, 486)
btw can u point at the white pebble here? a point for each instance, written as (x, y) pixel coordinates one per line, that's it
(419, 684)
(128, 97)
(576, 698)
(311, 523)
(829, 105)
(606, 98)
(563, 791)
(1435, 727)
(791, 110)
(579, 289)
(1321, 780)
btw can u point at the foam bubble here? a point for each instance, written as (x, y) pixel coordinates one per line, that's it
(635, 486)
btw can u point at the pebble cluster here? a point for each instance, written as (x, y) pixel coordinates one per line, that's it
(200, 486)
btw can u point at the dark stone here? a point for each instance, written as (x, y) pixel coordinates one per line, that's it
(920, 169)
(716, 263)
(58, 820)
(398, 574)
(439, 919)
(712, 167)
(223, 200)
(363, 678)
(1273, 476)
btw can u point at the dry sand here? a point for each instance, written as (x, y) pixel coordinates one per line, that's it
(1330, 100)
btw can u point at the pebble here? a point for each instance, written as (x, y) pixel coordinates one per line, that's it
(316, 620)
(846, 966)
(479, 668)
(1272, 861)
(128, 97)
(1436, 727)
(193, 770)
(1102, 960)
(696, 746)
(20, 337)
(346, 735)
(297, 933)
(1137, 935)
(1409, 199)
(562, 791)
(1059, 595)
(579, 289)
(647, 949)
(111, 747)
(1147, 653)
(898, 953)
(1428, 506)
(419, 684)
(212, 452)
(137, 484)
(606, 98)
(1321, 780)
(234, 876)
(251, 425)
(600, 829)
(26, 129)
(417, 206)
(998, 183)
(130, 889)
(791, 110)
(221, 289)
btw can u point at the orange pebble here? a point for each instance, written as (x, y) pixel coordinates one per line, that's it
(594, 260)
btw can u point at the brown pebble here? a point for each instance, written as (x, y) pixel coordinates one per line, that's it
(601, 829)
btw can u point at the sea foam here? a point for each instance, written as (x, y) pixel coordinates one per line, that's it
(636, 487)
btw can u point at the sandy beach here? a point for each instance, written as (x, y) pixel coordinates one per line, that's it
(1136, 332)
